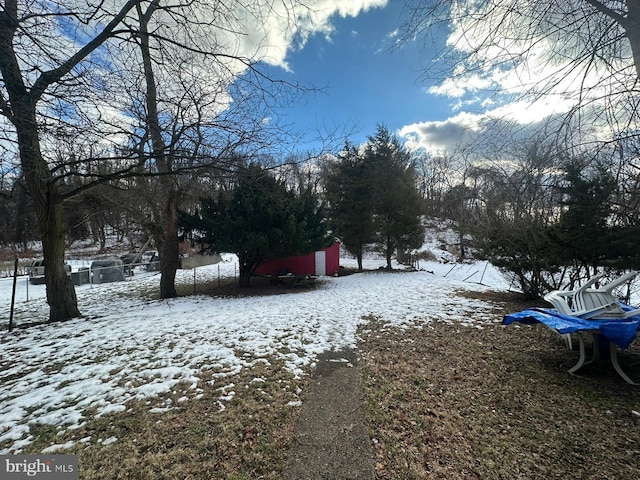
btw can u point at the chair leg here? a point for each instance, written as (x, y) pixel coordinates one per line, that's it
(582, 358)
(614, 361)
(595, 338)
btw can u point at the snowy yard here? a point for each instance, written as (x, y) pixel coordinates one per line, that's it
(129, 348)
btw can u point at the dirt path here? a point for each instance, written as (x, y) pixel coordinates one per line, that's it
(332, 440)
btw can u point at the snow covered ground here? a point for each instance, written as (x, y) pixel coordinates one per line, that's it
(128, 348)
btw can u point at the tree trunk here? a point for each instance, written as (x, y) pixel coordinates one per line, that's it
(245, 276)
(245, 271)
(169, 256)
(61, 295)
(632, 29)
(168, 247)
(389, 252)
(163, 226)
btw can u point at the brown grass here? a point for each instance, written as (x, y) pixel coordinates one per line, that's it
(248, 438)
(453, 402)
(228, 288)
(443, 401)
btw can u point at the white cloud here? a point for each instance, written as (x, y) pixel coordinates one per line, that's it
(526, 112)
(237, 32)
(278, 27)
(456, 88)
(519, 72)
(443, 135)
(506, 121)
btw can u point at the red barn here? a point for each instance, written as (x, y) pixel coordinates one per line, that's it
(322, 262)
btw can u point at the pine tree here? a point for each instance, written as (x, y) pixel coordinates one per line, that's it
(349, 195)
(583, 231)
(396, 202)
(259, 219)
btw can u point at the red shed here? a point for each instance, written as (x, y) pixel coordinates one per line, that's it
(322, 262)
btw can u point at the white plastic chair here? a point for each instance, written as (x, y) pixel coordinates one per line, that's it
(602, 301)
(561, 300)
(590, 303)
(594, 304)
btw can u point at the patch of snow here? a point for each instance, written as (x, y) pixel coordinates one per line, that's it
(108, 441)
(161, 409)
(111, 408)
(59, 447)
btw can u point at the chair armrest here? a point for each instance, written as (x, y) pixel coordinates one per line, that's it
(558, 298)
(618, 281)
(589, 283)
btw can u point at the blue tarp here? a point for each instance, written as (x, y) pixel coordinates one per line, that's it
(621, 331)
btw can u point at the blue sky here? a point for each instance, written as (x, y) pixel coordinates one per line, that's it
(364, 81)
(344, 47)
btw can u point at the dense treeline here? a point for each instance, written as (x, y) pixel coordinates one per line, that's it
(548, 217)
(261, 208)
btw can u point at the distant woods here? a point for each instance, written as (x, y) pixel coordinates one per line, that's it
(548, 217)
(115, 118)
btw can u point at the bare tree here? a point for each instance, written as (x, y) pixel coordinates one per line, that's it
(509, 210)
(63, 72)
(626, 170)
(193, 121)
(36, 69)
(434, 172)
(584, 55)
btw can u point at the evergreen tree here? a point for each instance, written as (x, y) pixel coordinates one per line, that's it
(521, 245)
(583, 232)
(259, 219)
(349, 196)
(396, 201)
